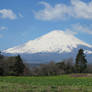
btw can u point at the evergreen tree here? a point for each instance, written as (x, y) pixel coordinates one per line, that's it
(1, 56)
(81, 62)
(1, 71)
(1, 64)
(19, 66)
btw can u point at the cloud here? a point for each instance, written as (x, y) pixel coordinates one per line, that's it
(81, 28)
(82, 9)
(2, 28)
(69, 31)
(7, 13)
(77, 9)
(20, 15)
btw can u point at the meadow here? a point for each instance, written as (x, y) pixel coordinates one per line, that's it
(63, 83)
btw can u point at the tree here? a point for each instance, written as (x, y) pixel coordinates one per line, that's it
(81, 62)
(1, 64)
(1, 71)
(19, 66)
(66, 66)
(1, 56)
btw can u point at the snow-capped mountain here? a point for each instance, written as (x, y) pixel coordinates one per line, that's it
(56, 45)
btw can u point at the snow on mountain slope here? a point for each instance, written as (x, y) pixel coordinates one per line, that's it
(55, 41)
(56, 45)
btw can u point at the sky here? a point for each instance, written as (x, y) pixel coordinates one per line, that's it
(24, 20)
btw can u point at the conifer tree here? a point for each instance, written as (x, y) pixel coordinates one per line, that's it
(1, 64)
(19, 66)
(81, 62)
(1, 56)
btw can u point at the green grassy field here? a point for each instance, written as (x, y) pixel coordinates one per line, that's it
(64, 83)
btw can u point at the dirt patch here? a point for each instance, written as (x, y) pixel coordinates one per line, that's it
(81, 75)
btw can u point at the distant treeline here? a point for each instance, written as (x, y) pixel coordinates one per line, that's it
(14, 66)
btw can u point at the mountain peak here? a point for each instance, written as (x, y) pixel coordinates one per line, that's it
(56, 32)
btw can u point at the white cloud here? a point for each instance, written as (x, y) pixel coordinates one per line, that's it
(81, 28)
(78, 28)
(20, 15)
(2, 28)
(77, 9)
(82, 9)
(69, 31)
(7, 13)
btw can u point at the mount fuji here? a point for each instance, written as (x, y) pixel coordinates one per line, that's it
(56, 45)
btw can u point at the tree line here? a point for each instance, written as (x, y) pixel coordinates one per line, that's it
(14, 66)
(67, 66)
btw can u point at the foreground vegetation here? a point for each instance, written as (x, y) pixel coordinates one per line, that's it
(51, 77)
(64, 83)
(14, 66)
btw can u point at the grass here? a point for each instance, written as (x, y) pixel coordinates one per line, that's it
(64, 83)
